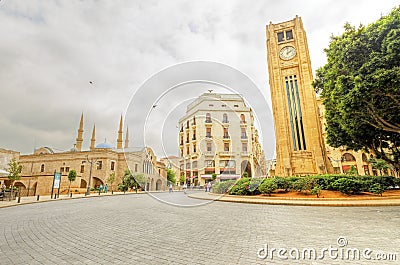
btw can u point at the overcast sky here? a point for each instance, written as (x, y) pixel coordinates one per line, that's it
(50, 50)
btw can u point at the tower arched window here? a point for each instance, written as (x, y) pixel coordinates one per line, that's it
(42, 168)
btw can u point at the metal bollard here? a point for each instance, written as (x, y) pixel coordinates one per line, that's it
(19, 198)
(38, 197)
(70, 195)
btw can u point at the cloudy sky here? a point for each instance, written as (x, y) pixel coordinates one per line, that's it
(51, 50)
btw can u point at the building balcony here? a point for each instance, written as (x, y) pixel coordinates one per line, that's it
(226, 138)
(208, 137)
(225, 153)
(245, 154)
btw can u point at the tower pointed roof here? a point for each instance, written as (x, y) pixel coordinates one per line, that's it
(79, 139)
(93, 139)
(119, 140)
(127, 138)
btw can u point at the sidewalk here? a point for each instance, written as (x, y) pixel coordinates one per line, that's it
(297, 202)
(46, 198)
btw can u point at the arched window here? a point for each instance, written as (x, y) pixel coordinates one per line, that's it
(225, 118)
(347, 157)
(42, 168)
(208, 117)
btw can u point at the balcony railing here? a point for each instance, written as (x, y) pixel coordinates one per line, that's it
(227, 136)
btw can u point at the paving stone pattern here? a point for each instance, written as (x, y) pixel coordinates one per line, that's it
(138, 229)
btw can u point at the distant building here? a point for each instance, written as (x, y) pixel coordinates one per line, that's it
(102, 159)
(217, 136)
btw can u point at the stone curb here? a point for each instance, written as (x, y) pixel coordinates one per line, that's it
(299, 202)
(15, 203)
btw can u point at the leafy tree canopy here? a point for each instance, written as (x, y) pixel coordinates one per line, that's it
(360, 88)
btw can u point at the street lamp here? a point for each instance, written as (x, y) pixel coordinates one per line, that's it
(91, 161)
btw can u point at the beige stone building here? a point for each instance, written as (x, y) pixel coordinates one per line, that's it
(94, 165)
(217, 135)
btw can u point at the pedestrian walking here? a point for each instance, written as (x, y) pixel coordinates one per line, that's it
(101, 188)
(170, 187)
(184, 188)
(106, 188)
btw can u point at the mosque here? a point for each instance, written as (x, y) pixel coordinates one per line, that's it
(93, 166)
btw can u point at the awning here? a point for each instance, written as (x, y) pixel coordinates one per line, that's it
(206, 176)
(222, 176)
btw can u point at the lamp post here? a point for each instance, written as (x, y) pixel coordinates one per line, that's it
(91, 161)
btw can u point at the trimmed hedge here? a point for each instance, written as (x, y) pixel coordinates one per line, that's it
(343, 183)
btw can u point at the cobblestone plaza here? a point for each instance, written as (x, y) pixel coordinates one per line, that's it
(139, 229)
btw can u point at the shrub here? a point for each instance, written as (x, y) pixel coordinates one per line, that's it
(348, 185)
(241, 187)
(268, 186)
(254, 185)
(316, 190)
(283, 183)
(377, 188)
(223, 186)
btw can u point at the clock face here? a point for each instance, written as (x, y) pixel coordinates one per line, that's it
(287, 52)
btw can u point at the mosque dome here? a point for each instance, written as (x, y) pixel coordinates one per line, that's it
(104, 145)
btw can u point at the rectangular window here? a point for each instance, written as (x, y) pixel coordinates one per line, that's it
(243, 133)
(285, 35)
(209, 163)
(236, 106)
(136, 167)
(188, 165)
(66, 169)
(61, 169)
(194, 164)
(281, 36)
(295, 113)
(227, 163)
(209, 148)
(194, 148)
(226, 147)
(82, 168)
(289, 35)
(112, 165)
(99, 165)
(244, 147)
(187, 150)
(208, 132)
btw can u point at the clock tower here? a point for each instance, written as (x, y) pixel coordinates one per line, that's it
(300, 148)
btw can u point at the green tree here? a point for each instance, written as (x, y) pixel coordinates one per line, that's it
(379, 164)
(182, 179)
(111, 179)
(214, 176)
(14, 173)
(360, 88)
(71, 177)
(353, 170)
(171, 176)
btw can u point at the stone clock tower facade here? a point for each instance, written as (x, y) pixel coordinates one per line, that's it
(300, 149)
